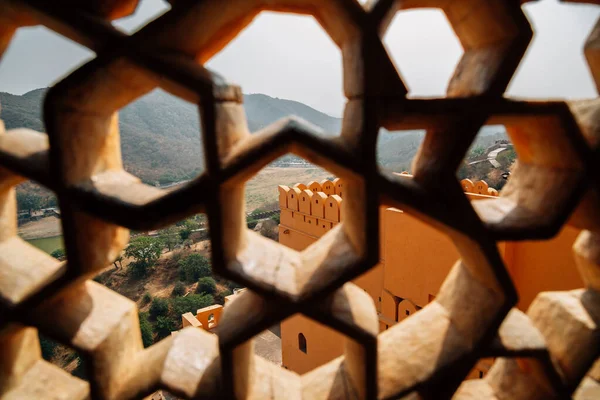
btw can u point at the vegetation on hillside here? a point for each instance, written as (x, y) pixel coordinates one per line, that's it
(145, 251)
(485, 171)
(160, 133)
(31, 197)
(169, 273)
(194, 267)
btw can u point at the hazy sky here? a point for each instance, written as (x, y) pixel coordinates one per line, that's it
(291, 57)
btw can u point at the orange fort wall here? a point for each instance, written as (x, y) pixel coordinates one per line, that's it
(415, 259)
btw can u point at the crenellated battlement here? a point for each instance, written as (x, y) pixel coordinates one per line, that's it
(313, 209)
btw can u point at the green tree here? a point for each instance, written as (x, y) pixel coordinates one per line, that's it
(220, 297)
(145, 251)
(276, 218)
(477, 151)
(170, 237)
(146, 329)
(178, 290)
(159, 307)
(164, 326)
(59, 254)
(194, 267)
(190, 303)
(147, 298)
(50, 201)
(28, 201)
(234, 285)
(206, 285)
(185, 233)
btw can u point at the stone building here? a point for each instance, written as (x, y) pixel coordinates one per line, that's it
(414, 261)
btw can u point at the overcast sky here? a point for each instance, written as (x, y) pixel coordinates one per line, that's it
(291, 57)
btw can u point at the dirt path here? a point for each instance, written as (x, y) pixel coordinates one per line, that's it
(43, 228)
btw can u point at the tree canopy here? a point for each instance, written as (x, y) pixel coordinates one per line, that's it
(145, 251)
(194, 267)
(28, 201)
(206, 285)
(59, 254)
(190, 303)
(170, 237)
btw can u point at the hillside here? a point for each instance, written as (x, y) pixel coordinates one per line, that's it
(160, 138)
(395, 150)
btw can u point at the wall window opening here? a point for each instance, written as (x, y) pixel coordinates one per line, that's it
(302, 343)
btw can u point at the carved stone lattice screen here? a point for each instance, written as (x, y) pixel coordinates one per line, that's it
(548, 352)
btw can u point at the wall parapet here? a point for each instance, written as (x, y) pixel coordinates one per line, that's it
(312, 209)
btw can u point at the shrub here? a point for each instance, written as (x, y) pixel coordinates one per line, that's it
(220, 297)
(138, 269)
(147, 298)
(478, 151)
(164, 326)
(146, 329)
(206, 285)
(194, 267)
(178, 290)
(59, 254)
(48, 347)
(176, 257)
(185, 233)
(233, 285)
(159, 307)
(276, 218)
(190, 303)
(145, 251)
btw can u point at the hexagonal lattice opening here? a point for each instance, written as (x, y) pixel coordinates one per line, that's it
(349, 311)
(425, 50)
(38, 218)
(543, 187)
(490, 159)
(292, 273)
(50, 58)
(563, 27)
(101, 178)
(297, 71)
(26, 268)
(397, 149)
(342, 251)
(37, 213)
(286, 202)
(493, 34)
(145, 12)
(27, 357)
(161, 140)
(63, 357)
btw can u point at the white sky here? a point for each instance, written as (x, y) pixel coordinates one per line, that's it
(291, 57)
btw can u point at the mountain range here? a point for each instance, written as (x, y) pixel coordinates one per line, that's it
(160, 138)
